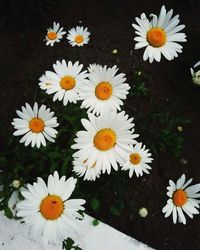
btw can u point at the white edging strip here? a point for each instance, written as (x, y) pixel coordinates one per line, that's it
(14, 236)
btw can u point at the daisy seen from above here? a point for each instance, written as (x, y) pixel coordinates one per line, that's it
(81, 168)
(105, 141)
(182, 198)
(54, 35)
(137, 160)
(78, 36)
(65, 81)
(160, 35)
(104, 90)
(49, 211)
(195, 73)
(36, 125)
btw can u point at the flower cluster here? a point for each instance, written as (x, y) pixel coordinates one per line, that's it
(108, 140)
(76, 36)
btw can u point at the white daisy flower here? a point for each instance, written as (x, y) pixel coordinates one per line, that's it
(65, 81)
(137, 160)
(36, 124)
(105, 141)
(160, 35)
(78, 36)
(104, 90)
(195, 73)
(54, 35)
(48, 209)
(93, 67)
(81, 168)
(182, 199)
(45, 83)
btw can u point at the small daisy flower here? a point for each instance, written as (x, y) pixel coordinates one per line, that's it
(105, 140)
(36, 124)
(78, 36)
(65, 82)
(195, 73)
(81, 168)
(138, 160)
(93, 67)
(160, 35)
(45, 83)
(54, 35)
(182, 199)
(48, 209)
(104, 90)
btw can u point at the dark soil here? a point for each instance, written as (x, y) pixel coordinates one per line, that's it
(24, 58)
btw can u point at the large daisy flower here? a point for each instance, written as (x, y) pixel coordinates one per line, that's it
(104, 90)
(54, 35)
(78, 36)
(137, 160)
(36, 124)
(65, 81)
(195, 73)
(105, 141)
(81, 168)
(160, 35)
(48, 209)
(182, 198)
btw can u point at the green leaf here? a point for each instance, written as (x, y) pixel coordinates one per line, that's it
(95, 204)
(1, 194)
(8, 212)
(68, 245)
(115, 211)
(95, 222)
(20, 196)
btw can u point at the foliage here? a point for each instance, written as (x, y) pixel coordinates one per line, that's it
(139, 88)
(117, 208)
(95, 222)
(69, 245)
(156, 125)
(94, 204)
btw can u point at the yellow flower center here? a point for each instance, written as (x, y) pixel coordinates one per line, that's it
(51, 207)
(103, 90)
(156, 37)
(52, 35)
(105, 139)
(179, 197)
(67, 82)
(135, 158)
(79, 39)
(36, 125)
